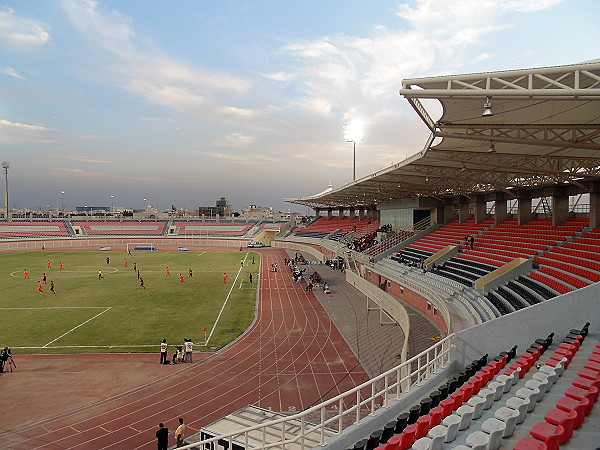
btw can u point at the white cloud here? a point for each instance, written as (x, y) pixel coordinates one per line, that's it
(22, 34)
(80, 158)
(87, 175)
(236, 140)
(13, 73)
(147, 71)
(15, 132)
(279, 76)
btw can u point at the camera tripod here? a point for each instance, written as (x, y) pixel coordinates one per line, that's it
(10, 363)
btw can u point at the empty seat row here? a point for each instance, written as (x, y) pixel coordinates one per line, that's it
(577, 402)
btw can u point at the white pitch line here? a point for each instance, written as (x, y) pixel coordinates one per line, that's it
(58, 307)
(74, 328)
(212, 330)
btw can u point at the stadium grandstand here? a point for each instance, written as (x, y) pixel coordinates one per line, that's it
(491, 234)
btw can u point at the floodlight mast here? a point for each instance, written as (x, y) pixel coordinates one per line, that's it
(5, 166)
(354, 132)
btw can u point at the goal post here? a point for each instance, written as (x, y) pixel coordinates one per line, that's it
(140, 246)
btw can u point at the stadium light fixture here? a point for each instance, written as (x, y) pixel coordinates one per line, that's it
(62, 200)
(487, 108)
(112, 205)
(5, 166)
(353, 132)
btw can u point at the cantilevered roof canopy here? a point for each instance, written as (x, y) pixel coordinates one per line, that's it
(545, 130)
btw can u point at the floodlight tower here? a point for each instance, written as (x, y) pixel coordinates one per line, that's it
(353, 132)
(62, 201)
(5, 166)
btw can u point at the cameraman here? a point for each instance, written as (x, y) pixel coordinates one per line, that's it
(4, 355)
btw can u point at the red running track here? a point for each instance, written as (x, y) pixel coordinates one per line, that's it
(291, 358)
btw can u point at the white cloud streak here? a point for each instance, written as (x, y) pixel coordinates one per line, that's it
(21, 34)
(13, 73)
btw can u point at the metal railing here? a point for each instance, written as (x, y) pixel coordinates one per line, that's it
(337, 413)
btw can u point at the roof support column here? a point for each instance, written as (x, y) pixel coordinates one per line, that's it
(449, 214)
(595, 208)
(341, 213)
(352, 213)
(560, 209)
(361, 213)
(524, 214)
(318, 212)
(329, 213)
(463, 210)
(371, 212)
(480, 209)
(500, 208)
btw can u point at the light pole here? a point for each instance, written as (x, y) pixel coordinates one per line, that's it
(112, 205)
(62, 201)
(353, 132)
(5, 166)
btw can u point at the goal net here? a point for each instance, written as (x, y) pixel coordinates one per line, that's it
(140, 247)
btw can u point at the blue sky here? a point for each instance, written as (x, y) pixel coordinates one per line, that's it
(184, 102)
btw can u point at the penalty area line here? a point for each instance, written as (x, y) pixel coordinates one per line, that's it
(74, 328)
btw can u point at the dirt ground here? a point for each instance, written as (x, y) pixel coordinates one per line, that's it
(45, 386)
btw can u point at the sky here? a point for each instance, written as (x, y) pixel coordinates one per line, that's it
(184, 102)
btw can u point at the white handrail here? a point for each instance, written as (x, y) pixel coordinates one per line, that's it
(359, 402)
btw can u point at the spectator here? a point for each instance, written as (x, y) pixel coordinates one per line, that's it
(180, 433)
(189, 347)
(162, 437)
(163, 352)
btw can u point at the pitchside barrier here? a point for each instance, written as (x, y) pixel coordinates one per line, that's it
(84, 242)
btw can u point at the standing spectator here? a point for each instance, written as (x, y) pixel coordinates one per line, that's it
(162, 437)
(180, 433)
(163, 354)
(189, 347)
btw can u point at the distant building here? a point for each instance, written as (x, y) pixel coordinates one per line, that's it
(254, 212)
(222, 208)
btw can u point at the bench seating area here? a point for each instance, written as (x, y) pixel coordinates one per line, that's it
(33, 229)
(561, 262)
(324, 226)
(495, 404)
(122, 228)
(212, 229)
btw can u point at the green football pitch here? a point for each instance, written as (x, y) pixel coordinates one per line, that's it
(88, 314)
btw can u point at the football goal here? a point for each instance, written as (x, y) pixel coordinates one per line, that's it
(140, 247)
